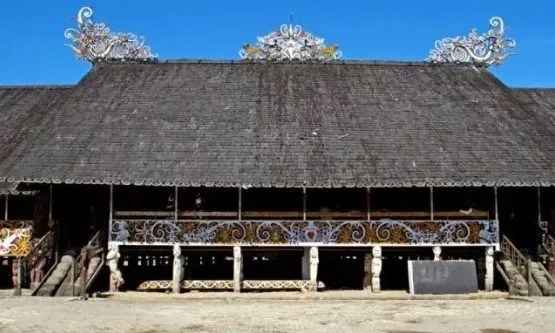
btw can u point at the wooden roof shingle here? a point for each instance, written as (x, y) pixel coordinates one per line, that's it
(352, 124)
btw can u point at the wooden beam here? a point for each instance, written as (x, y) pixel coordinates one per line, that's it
(539, 205)
(50, 205)
(304, 203)
(496, 203)
(175, 204)
(111, 213)
(431, 203)
(6, 207)
(368, 216)
(239, 203)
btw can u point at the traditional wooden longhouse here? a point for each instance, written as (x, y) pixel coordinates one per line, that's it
(288, 169)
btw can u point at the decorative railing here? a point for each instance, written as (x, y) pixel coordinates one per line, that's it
(211, 232)
(549, 245)
(513, 254)
(15, 238)
(41, 258)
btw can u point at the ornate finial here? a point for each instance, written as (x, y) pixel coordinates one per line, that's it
(95, 42)
(290, 43)
(491, 48)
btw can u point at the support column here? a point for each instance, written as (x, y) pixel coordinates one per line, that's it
(437, 253)
(177, 268)
(237, 268)
(314, 260)
(376, 268)
(367, 279)
(489, 269)
(305, 264)
(17, 272)
(112, 260)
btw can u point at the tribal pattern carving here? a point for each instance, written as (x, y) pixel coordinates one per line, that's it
(15, 238)
(95, 42)
(228, 284)
(290, 43)
(491, 48)
(305, 232)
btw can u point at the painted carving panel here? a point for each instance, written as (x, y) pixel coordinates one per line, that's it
(303, 232)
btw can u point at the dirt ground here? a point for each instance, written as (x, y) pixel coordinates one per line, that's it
(279, 312)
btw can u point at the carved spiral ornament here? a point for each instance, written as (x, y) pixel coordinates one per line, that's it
(490, 48)
(95, 42)
(290, 43)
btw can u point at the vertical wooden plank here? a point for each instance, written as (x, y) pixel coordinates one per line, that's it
(367, 279)
(176, 204)
(432, 203)
(111, 213)
(6, 207)
(496, 203)
(368, 217)
(17, 271)
(304, 204)
(239, 203)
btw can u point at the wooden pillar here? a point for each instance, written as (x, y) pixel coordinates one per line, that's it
(6, 201)
(305, 264)
(314, 260)
(376, 268)
(431, 203)
(111, 212)
(367, 279)
(304, 203)
(489, 269)
(177, 268)
(437, 253)
(237, 269)
(368, 216)
(175, 204)
(240, 203)
(112, 261)
(17, 271)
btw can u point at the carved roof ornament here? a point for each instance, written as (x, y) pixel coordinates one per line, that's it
(95, 42)
(290, 43)
(491, 48)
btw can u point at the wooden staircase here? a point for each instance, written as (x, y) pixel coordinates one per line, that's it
(524, 276)
(65, 278)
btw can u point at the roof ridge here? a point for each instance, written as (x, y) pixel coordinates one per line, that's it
(37, 86)
(306, 62)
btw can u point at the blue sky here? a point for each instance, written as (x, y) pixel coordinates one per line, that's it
(34, 52)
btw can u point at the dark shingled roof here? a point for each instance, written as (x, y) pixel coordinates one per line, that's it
(285, 124)
(537, 99)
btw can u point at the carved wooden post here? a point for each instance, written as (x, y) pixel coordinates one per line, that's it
(112, 259)
(437, 253)
(237, 268)
(17, 271)
(314, 260)
(489, 269)
(367, 279)
(177, 268)
(376, 268)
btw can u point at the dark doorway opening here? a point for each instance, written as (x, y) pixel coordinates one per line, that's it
(341, 269)
(272, 264)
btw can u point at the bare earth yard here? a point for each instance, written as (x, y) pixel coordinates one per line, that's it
(280, 312)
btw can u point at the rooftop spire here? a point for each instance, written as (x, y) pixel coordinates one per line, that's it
(490, 48)
(95, 42)
(290, 42)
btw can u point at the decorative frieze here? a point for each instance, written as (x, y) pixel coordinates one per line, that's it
(490, 48)
(304, 232)
(15, 238)
(229, 285)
